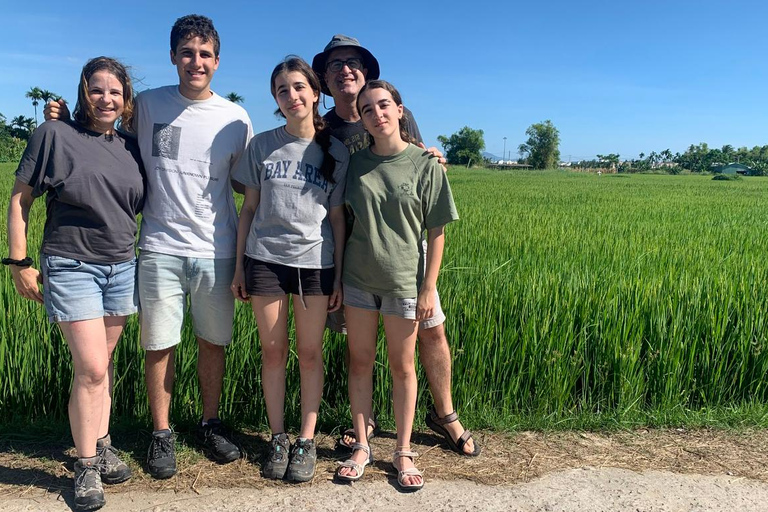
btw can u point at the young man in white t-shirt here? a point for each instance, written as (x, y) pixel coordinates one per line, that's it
(190, 139)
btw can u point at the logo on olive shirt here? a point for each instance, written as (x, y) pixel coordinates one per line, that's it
(404, 189)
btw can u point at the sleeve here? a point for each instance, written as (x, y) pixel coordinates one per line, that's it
(437, 200)
(36, 167)
(247, 170)
(411, 127)
(243, 146)
(340, 153)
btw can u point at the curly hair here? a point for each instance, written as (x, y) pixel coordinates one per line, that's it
(195, 25)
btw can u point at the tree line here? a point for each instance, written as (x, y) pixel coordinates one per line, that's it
(541, 150)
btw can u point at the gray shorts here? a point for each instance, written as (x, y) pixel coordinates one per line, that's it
(391, 306)
(336, 322)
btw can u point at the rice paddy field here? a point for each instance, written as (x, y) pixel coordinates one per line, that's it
(573, 300)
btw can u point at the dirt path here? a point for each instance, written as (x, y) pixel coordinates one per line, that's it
(576, 490)
(633, 471)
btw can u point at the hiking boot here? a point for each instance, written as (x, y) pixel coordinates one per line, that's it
(113, 470)
(303, 458)
(161, 457)
(89, 494)
(215, 437)
(277, 462)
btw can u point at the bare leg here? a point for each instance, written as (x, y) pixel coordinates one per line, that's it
(272, 320)
(362, 325)
(310, 324)
(401, 350)
(159, 373)
(349, 439)
(87, 340)
(435, 356)
(114, 328)
(210, 375)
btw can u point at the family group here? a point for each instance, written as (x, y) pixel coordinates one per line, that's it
(343, 216)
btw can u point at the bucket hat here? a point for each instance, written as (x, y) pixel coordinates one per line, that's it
(340, 41)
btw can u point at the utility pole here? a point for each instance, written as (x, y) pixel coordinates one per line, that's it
(504, 153)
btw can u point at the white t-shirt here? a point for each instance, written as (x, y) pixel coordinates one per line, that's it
(189, 149)
(291, 225)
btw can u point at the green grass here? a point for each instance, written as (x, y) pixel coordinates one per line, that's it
(573, 301)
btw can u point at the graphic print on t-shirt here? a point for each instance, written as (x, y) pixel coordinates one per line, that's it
(166, 141)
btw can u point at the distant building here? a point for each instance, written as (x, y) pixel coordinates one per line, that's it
(733, 168)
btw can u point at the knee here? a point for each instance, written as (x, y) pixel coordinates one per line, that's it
(274, 354)
(361, 362)
(402, 371)
(92, 376)
(209, 348)
(310, 358)
(153, 357)
(432, 338)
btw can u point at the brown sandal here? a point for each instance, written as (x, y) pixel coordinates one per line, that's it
(350, 432)
(436, 423)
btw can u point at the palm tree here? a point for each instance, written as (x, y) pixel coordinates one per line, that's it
(235, 98)
(22, 127)
(47, 96)
(35, 94)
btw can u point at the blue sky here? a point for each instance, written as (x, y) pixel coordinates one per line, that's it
(614, 77)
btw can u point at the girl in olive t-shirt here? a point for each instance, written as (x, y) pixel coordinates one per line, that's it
(394, 193)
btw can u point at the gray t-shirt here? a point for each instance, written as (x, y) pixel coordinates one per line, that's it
(95, 189)
(291, 225)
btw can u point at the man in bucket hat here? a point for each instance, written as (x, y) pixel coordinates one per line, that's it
(343, 68)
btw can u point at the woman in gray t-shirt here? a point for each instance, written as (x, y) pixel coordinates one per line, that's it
(94, 185)
(290, 241)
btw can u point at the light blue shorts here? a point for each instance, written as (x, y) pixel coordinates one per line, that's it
(165, 283)
(392, 306)
(77, 290)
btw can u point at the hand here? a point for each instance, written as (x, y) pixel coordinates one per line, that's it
(238, 287)
(27, 280)
(335, 300)
(425, 304)
(56, 110)
(435, 153)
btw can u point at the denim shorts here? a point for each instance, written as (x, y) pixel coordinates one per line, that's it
(392, 306)
(167, 281)
(77, 290)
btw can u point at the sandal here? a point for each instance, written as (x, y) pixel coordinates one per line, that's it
(401, 474)
(350, 432)
(349, 463)
(436, 423)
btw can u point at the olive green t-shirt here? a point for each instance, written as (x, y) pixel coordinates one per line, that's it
(393, 200)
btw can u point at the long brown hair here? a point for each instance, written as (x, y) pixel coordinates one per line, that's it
(383, 84)
(322, 130)
(84, 109)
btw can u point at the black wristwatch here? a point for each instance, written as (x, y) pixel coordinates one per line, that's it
(26, 262)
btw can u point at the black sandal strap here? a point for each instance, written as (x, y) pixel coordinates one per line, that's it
(448, 418)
